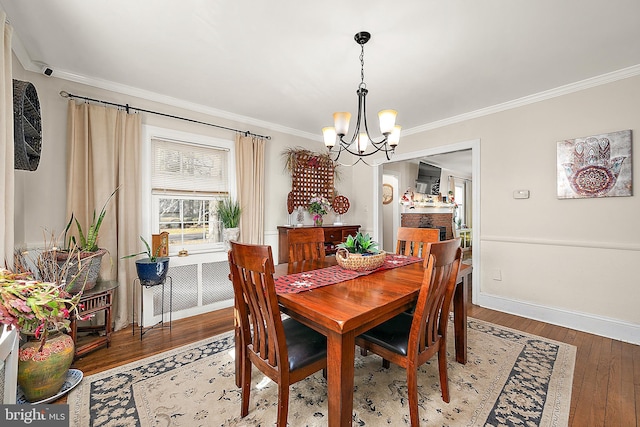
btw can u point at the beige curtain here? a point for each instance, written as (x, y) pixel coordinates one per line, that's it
(250, 173)
(104, 154)
(6, 145)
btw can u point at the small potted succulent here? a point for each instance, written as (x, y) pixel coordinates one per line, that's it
(153, 269)
(359, 253)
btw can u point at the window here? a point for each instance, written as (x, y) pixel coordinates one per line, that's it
(188, 180)
(459, 197)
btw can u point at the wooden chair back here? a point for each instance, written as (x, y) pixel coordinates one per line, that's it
(414, 241)
(306, 244)
(262, 334)
(257, 305)
(431, 315)
(411, 340)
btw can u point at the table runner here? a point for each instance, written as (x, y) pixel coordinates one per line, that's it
(299, 282)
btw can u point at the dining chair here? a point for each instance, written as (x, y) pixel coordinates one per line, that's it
(410, 340)
(306, 244)
(286, 351)
(414, 241)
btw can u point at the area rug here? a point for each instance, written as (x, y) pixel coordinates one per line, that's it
(511, 378)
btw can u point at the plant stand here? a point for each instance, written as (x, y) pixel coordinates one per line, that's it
(95, 300)
(161, 323)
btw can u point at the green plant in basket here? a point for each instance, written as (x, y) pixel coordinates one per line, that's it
(360, 244)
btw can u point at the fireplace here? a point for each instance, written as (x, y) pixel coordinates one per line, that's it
(441, 221)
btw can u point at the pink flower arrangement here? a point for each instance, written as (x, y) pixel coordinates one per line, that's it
(318, 206)
(35, 307)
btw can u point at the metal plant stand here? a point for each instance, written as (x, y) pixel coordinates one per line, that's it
(161, 323)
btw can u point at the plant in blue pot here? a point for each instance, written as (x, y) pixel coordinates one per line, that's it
(153, 269)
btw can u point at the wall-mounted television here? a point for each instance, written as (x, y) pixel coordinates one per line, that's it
(428, 180)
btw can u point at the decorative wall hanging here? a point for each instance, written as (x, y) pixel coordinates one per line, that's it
(312, 174)
(387, 194)
(27, 126)
(595, 166)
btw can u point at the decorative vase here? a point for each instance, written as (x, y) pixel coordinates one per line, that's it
(152, 273)
(317, 220)
(41, 374)
(229, 234)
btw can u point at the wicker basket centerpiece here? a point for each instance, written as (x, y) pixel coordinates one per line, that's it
(359, 253)
(359, 262)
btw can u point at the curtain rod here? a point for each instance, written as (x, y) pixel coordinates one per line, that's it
(459, 177)
(127, 107)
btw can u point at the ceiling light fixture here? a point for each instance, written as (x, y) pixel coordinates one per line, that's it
(361, 144)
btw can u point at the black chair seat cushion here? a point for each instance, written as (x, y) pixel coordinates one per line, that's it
(392, 334)
(304, 345)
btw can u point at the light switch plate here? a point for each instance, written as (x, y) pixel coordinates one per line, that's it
(521, 194)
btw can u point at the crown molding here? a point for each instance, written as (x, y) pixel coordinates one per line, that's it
(530, 99)
(175, 102)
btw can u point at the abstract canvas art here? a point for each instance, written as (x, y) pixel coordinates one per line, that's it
(595, 166)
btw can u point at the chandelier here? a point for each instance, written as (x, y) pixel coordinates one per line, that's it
(361, 144)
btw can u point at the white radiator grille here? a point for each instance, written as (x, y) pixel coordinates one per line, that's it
(200, 284)
(216, 285)
(185, 290)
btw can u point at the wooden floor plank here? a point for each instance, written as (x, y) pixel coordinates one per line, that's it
(613, 415)
(627, 399)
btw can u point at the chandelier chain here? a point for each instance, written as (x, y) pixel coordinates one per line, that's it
(362, 83)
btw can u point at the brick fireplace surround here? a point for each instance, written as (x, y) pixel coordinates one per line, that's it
(428, 220)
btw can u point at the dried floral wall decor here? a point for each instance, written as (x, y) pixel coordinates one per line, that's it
(312, 174)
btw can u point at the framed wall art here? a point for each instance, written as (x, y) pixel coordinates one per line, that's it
(595, 166)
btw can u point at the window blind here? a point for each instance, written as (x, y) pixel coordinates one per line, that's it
(188, 168)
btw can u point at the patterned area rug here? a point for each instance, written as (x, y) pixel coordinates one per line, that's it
(511, 378)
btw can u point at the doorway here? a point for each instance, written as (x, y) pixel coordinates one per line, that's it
(474, 146)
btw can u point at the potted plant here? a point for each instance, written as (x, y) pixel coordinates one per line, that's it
(359, 253)
(153, 269)
(229, 213)
(42, 311)
(84, 267)
(318, 206)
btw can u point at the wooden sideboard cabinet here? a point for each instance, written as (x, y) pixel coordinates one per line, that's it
(333, 234)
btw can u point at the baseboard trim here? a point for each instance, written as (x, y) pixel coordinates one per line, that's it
(598, 325)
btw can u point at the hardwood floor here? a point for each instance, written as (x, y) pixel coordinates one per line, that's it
(606, 381)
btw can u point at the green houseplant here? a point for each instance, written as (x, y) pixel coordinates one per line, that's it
(229, 213)
(153, 269)
(359, 253)
(360, 244)
(84, 268)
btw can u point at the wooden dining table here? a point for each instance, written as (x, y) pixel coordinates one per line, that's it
(344, 310)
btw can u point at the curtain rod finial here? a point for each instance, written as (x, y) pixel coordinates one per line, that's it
(64, 94)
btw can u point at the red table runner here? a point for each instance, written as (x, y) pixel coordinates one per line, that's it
(299, 282)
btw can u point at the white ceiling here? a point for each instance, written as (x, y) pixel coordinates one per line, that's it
(288, 64)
